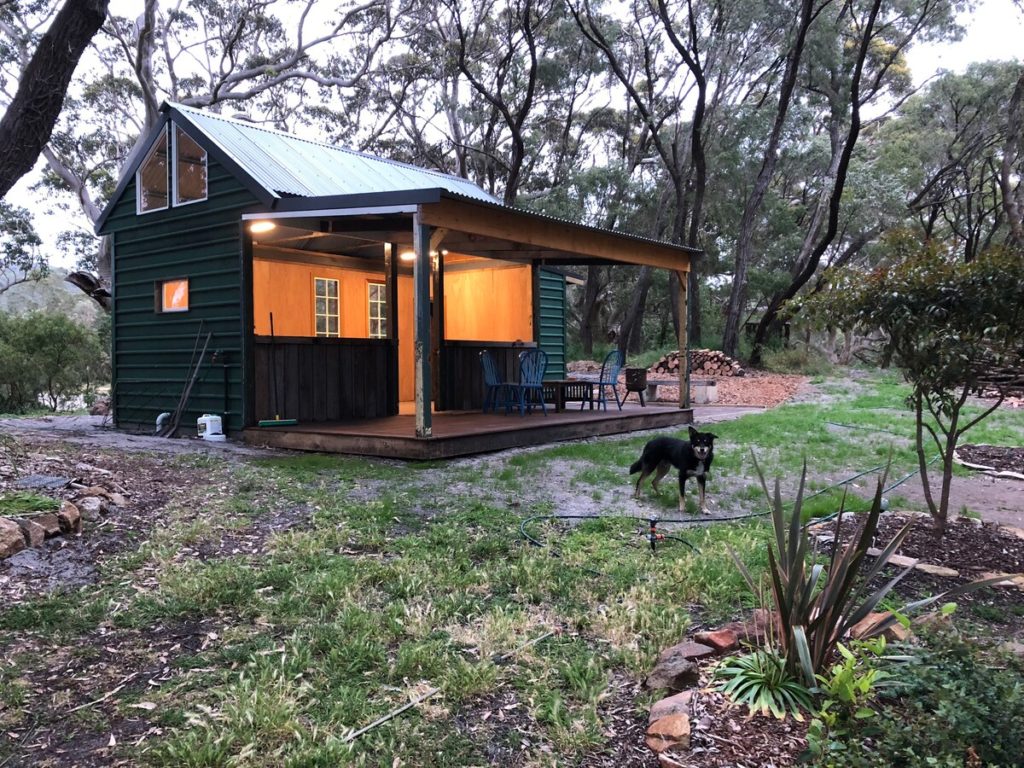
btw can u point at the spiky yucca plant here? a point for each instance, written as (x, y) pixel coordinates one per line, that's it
(816, 604)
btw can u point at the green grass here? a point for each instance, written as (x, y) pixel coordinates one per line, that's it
(403, 577)
(18, 503)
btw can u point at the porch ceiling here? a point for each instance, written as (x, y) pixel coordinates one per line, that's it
(472, 228)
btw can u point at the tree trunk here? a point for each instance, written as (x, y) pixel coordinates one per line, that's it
(588, 310)
(1011, 152)
(28, 122)
(744, 242)
(631, 330)
(807, 264)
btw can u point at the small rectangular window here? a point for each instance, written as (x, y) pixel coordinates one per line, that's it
(326, 306)
(172, 296)
(151, 180)
(190, 173)
(378, 311)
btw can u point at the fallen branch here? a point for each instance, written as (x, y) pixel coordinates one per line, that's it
(390, 715)
(105, 696)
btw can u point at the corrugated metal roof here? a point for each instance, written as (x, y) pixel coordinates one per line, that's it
(288, 165)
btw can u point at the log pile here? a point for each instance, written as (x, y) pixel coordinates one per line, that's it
(1005, 379)
(703, 362)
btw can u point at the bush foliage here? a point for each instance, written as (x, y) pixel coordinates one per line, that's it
(48, 359)
(960, 705)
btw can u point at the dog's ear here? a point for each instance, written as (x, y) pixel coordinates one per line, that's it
(693, 433)
(711, 435)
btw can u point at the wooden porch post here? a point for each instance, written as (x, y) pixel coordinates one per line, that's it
(684, 345)
(421, 335)
(391, 297)
(437, 383)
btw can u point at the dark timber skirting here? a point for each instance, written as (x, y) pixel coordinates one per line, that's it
(463, 434)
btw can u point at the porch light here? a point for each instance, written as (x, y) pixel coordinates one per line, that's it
(407, 255)
(258, 227)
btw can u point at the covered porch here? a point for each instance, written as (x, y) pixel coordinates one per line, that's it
(382, 304)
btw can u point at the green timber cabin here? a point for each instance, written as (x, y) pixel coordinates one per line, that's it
(383, 281)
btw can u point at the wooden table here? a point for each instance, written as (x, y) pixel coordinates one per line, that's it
(571, 390)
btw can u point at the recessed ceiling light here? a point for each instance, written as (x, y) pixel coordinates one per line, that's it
(261, 226)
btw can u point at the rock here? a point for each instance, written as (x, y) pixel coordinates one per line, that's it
(70, 518)
(669, 732)
(752, 630)
(693, 651)
(50, 524)
(101, 407)
(896, 633)
(672, 705)
(32, 531)
(722, 640)
(673, 671)
(937, 570)
(92, 508)
(12, 540)
(99, 491)
(1012, 646)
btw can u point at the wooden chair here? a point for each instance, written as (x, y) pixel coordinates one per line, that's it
(533, 363)
(609, 377)
(498, 391)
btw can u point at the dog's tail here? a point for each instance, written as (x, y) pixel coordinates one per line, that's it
(636, 466)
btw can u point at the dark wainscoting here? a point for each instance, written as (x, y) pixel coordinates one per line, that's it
(462, 387)
(321, 379)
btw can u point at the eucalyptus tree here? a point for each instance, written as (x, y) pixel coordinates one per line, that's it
(855, 59)
(674, 62)
(20, 257)
(48, 60)
(280, 61)
(963, 143)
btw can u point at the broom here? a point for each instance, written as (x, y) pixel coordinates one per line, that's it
(277, 421)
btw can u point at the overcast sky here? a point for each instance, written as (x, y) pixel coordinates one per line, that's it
(995, 31)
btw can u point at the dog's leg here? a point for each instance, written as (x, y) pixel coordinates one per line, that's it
(663, 469)
(701, 482)
(682, 491)
(643, 474)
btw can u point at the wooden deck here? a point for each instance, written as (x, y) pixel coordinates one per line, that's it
(462, 433)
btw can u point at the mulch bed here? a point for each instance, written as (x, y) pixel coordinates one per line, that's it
(1000, 458)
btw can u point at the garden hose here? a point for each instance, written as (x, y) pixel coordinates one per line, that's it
(652, 534)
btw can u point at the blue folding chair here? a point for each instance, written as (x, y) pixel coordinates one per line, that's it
(533, 363)
(498, 391)
(609, 377)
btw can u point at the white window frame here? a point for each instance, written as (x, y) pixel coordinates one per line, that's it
(382, 302)
(174, 169)
(138, 177)
(327, 315)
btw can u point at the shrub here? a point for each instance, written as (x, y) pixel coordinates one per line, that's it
(961, 704)
(816, 604)
(799, 360)
(47, 357)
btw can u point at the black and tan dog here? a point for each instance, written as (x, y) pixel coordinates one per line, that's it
(692, 459)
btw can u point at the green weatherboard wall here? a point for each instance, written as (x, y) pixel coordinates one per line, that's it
(152, 350)
(552, 321)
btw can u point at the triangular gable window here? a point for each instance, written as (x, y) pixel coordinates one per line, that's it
(151, 179)
(189, 169)
(155, 179)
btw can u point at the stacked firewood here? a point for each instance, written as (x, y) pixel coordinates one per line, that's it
(1005, 379)
(703, 362)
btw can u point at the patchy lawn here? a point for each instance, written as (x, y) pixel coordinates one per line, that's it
(259, 611)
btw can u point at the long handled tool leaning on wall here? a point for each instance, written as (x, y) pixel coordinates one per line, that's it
(277, 421)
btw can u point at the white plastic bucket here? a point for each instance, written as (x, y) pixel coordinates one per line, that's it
(209, 427)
